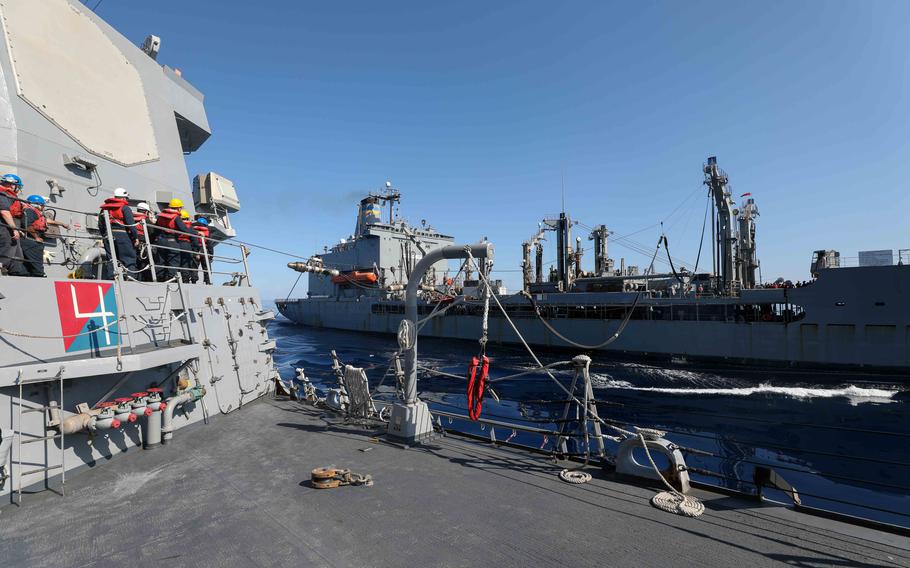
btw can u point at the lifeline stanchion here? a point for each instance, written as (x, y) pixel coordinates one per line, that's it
(677, 503)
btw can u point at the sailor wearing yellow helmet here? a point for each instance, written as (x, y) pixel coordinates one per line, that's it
(168, 252)
(188, 269)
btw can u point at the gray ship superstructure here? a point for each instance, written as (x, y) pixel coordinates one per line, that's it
(379, 255)
(91, 368)
(846, 316)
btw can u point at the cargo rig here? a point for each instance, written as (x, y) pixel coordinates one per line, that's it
(844, 317)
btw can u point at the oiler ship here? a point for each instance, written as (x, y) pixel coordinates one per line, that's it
(846, 317)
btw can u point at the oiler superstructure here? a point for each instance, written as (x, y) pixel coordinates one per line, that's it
(90, 368)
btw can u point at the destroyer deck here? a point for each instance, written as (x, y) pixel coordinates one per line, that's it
(236, 493)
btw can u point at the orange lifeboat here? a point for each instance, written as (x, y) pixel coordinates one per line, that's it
(356, 277)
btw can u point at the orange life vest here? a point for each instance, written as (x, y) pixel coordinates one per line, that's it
(203, 234)
(15, 207)
(168, 220)
(114, 207)
(39, 225)
(138, 218)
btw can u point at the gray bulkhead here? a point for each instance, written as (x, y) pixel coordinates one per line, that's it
(73, 91)
(382, 247)
(36, 142)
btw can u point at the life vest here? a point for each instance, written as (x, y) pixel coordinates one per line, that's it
(39, 225)
(203, 233)
(139, 217)
(15, 207)
(114, 207)
(183, 237)
(168, 220)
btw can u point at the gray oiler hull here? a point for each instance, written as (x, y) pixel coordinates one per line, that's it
(854, 318)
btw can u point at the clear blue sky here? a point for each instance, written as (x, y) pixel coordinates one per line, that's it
(475, 111)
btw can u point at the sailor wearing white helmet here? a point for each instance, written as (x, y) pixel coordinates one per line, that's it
(143, 216)
(123, 231)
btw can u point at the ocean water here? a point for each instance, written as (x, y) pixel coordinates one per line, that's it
(842, 439)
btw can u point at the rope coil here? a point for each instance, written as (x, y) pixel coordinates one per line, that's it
(574, 476)
(330, 478)
(671, 501)
(678, 504)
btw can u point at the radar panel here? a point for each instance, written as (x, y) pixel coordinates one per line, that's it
(71, 72)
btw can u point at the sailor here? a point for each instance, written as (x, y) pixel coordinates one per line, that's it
(10, 186)
(34, 225)
(142, 218)
(169, 224)
(202, 246)
(123, 232)
(185, 244)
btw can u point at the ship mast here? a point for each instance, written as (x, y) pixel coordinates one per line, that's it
(389, 195)
(726, 271)
(747, 254)
(528, 270)
(602, 263)
(563, 226)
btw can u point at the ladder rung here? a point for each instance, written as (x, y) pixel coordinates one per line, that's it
(40, 439)
(39, 409)
(38, 470)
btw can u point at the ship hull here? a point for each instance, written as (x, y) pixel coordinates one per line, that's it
(853, 319)
(212, 337)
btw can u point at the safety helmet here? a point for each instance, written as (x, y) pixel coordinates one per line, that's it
(175, 203)
(120, 192)
(203, 221)
(143, 206)
(36, 199)
(184, 214)
(12, 179)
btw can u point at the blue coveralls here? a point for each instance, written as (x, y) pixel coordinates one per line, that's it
(124, 236)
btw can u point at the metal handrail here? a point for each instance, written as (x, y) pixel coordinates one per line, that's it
(482, 420)
(208, 260)
(556, 435)
(899, 256)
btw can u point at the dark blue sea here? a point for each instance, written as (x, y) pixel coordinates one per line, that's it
(843, 440)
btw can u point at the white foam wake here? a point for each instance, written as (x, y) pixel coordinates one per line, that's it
(855, 394)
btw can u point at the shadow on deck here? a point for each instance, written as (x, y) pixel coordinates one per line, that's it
(235, 493)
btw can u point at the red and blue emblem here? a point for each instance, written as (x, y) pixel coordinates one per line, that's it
(88, 315)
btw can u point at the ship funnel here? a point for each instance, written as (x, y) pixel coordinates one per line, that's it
(370, 213)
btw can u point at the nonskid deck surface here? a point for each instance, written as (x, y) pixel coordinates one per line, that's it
(236, 493)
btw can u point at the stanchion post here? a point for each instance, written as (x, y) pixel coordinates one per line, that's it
(149, 251)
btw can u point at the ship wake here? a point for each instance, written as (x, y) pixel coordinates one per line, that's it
(855, 395)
